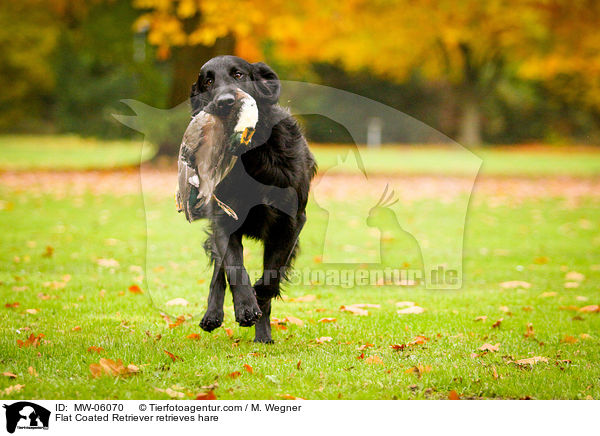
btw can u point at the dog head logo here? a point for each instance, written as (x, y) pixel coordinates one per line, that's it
(435, 251)
(26, 415)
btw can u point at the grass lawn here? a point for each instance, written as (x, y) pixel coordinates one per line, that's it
(69, 152)
(75, 153)
(76, 293)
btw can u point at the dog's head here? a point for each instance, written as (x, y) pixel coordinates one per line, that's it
(219, 77)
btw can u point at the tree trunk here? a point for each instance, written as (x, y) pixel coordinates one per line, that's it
(186, 63)
(470, 122)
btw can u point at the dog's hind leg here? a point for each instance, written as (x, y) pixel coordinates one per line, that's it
(213, 318)
(278, 255)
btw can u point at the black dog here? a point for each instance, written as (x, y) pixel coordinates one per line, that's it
(267, 188)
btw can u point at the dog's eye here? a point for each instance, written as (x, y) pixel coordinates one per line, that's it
(208, 82)
(238, 75)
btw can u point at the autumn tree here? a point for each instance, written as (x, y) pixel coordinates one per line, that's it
(468, 44)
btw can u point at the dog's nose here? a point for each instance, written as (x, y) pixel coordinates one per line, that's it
(225, 102)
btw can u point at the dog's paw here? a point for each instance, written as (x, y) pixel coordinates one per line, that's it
(263, 339)
(247, 315)
(211, 321)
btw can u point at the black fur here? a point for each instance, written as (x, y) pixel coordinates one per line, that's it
(268, 189)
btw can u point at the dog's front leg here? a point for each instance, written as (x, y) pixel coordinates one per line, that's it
(246, 308)
(213, 318)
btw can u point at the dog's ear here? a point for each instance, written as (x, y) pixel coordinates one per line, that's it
(197, 99)
(266, 82)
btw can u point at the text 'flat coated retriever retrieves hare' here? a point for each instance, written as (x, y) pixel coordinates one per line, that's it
(267, 188)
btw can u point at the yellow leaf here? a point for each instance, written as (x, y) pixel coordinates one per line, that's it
(410, 310)
(374, 360)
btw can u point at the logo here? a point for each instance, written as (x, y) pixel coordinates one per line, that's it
(26, 415)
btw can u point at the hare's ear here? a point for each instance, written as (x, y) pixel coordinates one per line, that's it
(266, 83)
(386, 198)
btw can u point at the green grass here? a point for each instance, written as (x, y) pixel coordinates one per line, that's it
(504, 161)
(72, 152)
(537, 240)
(69, 152)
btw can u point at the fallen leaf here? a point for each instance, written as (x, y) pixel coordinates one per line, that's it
(31, 370)
(294, 320)
(364, 347)
(32, 311)
(171, 392)
(529, 332)
(418, 340)
(584, 336)
(110, 367)
(193, 336)
(289, 397)
(9, 375)
(180, 320)
(248, 368)
(32, 340)
(418, 370)
(374, 360)
(15, 304)
(571, 285)
(235, 374)
(481, 318)
(328, 320)
(571, 307)
(76, 328)
(548, 294)
(531, 360)
(49, 251)
(135, 289)
(229, 332)
(494, 372)
(360, 356)
(94, 349)
(177, 302)
(14, 388)
(410, 310)
(590, 308)
(405, 304)
(299, 365)
(107, 263)
(568, 340)
(515, 284)
(304, 298)
(489, 347)
(210, 395)
(575, 276)
(355, 310)
(323, 339)
(172, 356)
(497, 323)
(452, 395)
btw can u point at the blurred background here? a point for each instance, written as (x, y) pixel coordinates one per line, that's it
(482, 73)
